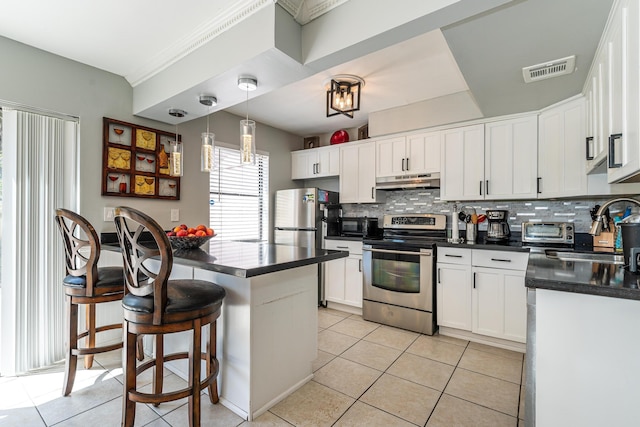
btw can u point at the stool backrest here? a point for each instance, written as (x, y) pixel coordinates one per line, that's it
(140, 281)
(79, 237)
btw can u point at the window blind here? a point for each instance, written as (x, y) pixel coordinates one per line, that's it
(239, 197)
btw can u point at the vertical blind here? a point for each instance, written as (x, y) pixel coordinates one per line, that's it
(239, 197)
(39, 175)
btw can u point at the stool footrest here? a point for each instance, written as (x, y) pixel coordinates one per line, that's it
(138, 397)
(101, 329)
(96, 350)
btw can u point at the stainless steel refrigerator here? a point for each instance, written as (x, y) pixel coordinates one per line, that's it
(303, 216)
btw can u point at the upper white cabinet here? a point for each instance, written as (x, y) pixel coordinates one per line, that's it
(595, 152)
(561, 147)
(620, 47)
(491, 161)
(462, 176)
(510, 161)
(315, 163)
(357, 174)
(413, 154)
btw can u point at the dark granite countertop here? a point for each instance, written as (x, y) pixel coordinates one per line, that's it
(583, 277)
(244, 259)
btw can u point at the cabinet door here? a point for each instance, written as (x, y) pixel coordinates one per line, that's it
(423, 153)
(511, 152)
(624, 85)
(463, 163)
(488, 302)
(366, 173)
(390, 157)
(499, 303)
(561, 162)
(299, 160)
(454, 296)
(334, 280)
(515, 306)
(328, 162)
(353, 281)
(349, 174)
(357, 173)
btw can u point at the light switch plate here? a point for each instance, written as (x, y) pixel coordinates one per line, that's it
(109, 213)
(175, 215)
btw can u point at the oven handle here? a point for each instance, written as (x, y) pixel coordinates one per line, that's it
(389, 251)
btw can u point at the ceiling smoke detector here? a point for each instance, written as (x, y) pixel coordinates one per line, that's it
(546, 70)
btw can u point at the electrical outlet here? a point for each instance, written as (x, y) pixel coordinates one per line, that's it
(109, 214)
(175, 215)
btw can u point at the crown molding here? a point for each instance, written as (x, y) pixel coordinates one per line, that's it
(201, 35)
(305, 11)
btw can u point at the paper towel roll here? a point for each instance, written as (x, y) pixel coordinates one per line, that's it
(455, 231)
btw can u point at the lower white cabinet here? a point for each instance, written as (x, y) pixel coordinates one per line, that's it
(499, 296)
(453, 292)
(343, 277)
(482, 291)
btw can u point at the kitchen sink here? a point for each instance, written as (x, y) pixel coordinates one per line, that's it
(602, 258)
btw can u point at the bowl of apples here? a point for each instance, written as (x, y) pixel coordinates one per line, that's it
(184, 237)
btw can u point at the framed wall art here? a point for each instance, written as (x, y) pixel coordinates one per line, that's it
(135, 162)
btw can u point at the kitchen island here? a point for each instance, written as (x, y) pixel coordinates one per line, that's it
(267, 333)
(583, 369)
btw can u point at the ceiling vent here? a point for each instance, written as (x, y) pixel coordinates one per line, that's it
(547, 70)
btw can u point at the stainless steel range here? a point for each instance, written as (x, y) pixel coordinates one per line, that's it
(399, 272)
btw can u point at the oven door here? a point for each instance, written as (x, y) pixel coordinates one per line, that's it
(398, 277)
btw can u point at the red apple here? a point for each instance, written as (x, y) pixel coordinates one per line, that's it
(182, 233)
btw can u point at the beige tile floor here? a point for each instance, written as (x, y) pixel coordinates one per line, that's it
(366, 374)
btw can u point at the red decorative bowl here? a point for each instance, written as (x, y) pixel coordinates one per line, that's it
(339, 137)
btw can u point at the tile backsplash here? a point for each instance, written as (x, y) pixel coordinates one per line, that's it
(428, 201)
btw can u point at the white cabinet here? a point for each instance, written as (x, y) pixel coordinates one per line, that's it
(499, 295)
(315, 163)
(595, 153)
(561, 147)
(510, 158)
(358, 173)
(453, 292)
(462, 176)
(620, 44)
(491, 161)
(343, 277)
(413, 154)
(482, 291)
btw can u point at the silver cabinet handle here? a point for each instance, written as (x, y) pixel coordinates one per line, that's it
(453, 256)
(500, 260)
(614, 160)
(402, 165)
(360, 265)
(372, 191)
(407, 164)
(438, 275)
(342, 247)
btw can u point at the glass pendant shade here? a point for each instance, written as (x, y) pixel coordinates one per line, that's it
(247, 141)
(175, 159)
(206, 157)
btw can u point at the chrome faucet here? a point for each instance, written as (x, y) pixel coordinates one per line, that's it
(598, 224)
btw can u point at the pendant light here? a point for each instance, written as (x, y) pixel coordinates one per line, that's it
(208, 138)
(247, 127)
(175, 157)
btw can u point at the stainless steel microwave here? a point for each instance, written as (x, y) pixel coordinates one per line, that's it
(548, 232)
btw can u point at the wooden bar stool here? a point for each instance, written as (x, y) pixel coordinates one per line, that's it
(86, 284)
(155, 305)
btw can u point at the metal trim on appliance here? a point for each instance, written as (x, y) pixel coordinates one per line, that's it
(428, 180)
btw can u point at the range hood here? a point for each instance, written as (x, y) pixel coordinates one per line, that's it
(404, 182)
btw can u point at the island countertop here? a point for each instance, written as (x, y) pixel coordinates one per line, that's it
(593, 278)
(248, 259)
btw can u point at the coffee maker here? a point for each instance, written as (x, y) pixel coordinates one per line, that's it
(498, 228)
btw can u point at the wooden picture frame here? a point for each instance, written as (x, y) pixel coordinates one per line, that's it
(135, 162)
(311, 142)
(363, 132)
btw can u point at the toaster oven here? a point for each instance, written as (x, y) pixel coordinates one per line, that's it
(548, 232)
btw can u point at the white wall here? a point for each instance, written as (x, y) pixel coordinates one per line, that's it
(38, 79)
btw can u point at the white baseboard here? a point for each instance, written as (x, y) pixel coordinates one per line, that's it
(482, 339)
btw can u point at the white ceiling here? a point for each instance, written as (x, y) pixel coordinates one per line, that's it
(138, 39)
